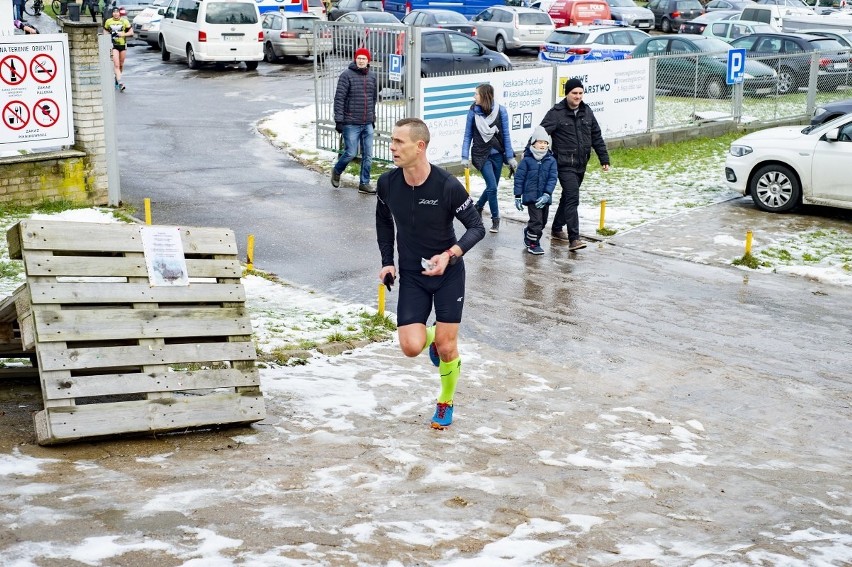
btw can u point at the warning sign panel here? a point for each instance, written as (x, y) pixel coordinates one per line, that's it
(35, 92)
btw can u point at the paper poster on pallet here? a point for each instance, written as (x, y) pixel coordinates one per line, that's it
(164, 256)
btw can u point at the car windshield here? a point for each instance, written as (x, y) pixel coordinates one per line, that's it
(826, 44)
(379, 18)
(534, 19)
(372, 5)
(622, 3)
(301, 24)
(449, 18)
(231, 13)
(567, 38)
(689, 5)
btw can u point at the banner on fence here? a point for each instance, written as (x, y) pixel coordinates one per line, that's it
(526, 94)
(617, 91)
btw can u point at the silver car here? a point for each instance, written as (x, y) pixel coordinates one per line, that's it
(291, 34)
(628, 12)
(512, 27)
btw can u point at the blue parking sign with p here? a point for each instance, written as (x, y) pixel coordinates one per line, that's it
(395, 67)
(736, 66)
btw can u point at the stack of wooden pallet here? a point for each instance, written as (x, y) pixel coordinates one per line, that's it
(118, 355)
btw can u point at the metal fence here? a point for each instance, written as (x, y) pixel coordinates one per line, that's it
(683, 88)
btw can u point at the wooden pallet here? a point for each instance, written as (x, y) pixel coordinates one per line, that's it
(119, 356)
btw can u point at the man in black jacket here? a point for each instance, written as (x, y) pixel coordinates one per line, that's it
(354, 117)
(575, 131)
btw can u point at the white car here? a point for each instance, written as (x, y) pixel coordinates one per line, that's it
(790, 165)
(146, 24)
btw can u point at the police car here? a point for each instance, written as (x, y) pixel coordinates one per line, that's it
(601, 41)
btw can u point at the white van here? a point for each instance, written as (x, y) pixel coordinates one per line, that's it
(216, 31)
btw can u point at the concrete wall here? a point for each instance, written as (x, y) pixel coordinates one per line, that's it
(80, 173)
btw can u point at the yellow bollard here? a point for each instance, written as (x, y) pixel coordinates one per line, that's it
(250, 253)
(147, 211)
(603, 214)
(748, 242)
(467, 180)
(381, 300)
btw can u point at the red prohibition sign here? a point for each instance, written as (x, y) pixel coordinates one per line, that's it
(43, 68)
(46, 112)
(16, 115)
(13, 70)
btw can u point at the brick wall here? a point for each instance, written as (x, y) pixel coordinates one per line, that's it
(78, 174)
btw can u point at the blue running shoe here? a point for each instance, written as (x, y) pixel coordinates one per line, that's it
(433, 355)
(443, 415)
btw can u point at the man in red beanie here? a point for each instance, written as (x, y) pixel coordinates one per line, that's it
(355, 116)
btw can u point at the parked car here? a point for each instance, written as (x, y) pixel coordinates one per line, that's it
(778, 50)
(738, 5)
(729, 30)
(215, 31)
(784, 167)
(628, 12)
(345, 6)
(316, 7)
(843, 37)
(699, 24)
(445, 19)
(575, 44)
(577, 12)
(131, 8)
(700, 68)
(380, 40)
(512, 27)
(146, 24)
(670, 14)
(447, 51)
(291, 34)
(831, 110)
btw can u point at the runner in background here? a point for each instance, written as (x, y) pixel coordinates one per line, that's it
(120, 29)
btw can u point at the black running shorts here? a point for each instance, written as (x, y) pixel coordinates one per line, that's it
(119, 47)
(418, 292)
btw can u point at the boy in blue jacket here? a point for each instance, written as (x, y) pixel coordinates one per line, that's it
(535, 181)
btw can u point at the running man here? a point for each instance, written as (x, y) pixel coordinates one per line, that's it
(418, 201)
(120, 29)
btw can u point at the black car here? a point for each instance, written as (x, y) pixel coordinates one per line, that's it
(699, 24)
(778, 50)
(829, 111)
(670, 14)
(444, 19)
(346, 6)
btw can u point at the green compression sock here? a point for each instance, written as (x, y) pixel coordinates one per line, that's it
(450, 372)
(430, 337)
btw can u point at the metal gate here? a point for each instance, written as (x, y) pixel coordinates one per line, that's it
(395, 97)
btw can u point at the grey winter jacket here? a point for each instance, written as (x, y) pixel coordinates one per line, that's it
(356, 96)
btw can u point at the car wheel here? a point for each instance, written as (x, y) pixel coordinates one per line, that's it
(251, 65)
(191, 61)
(775, 188)
(715, 88)
(500, 44)
(666, 25)
(269, 53)
(164, 53)
(786, 80)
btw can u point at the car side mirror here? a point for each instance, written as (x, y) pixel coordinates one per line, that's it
(161, 12)
(832, 135)
(481, 50)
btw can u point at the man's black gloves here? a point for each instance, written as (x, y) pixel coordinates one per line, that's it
(339, 127)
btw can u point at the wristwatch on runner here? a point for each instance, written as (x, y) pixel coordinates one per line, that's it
(453, 258)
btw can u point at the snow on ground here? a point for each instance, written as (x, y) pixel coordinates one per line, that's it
(633, 198)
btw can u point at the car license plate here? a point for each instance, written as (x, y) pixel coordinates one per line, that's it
(306, 36)
(536, 31)
(232, 37)
(765, 90)
(843, 65)
(556, 55)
